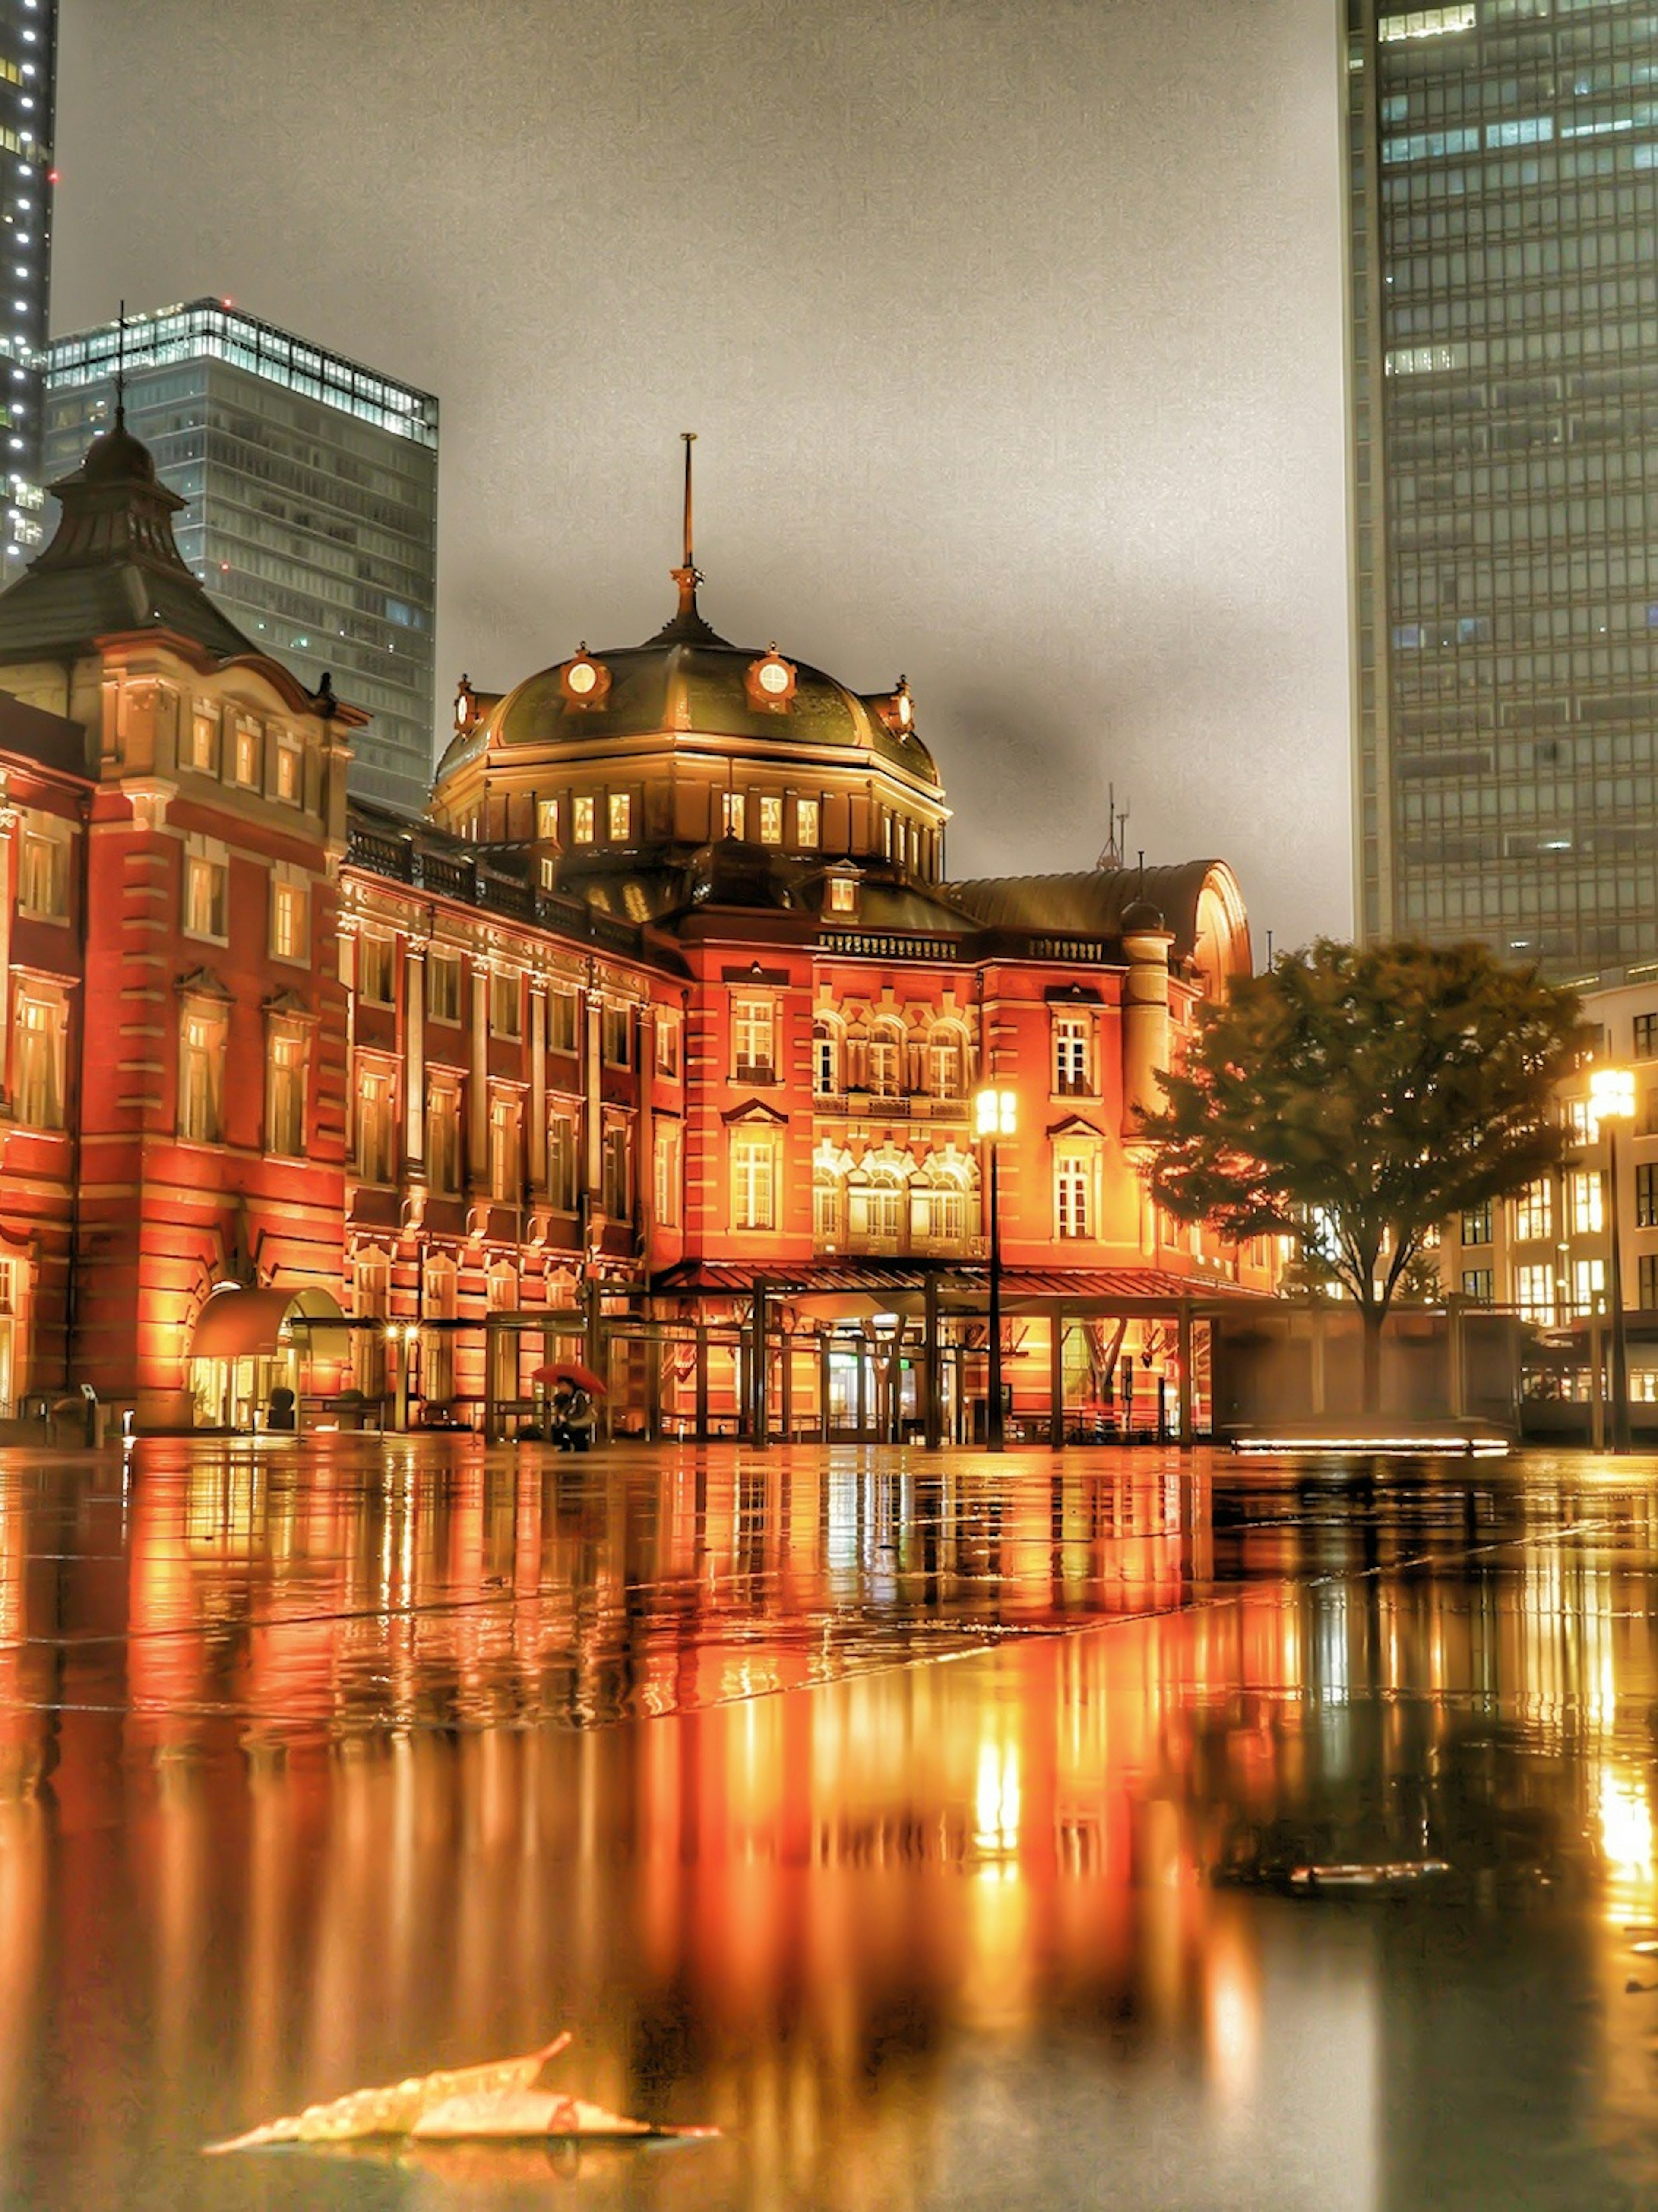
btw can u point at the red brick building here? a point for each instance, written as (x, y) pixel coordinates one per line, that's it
(655, 1039)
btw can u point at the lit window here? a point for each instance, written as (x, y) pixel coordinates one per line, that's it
(248, 754)
(1589, 1281)
(547, 820)
(1072, 1076)
(289, 769)
(828, 1209)
(665, 1179)
(1577, 1121)
(806, 822)
(201, 1076)
(290, 936)
(582, 825)
(561, 1162)
(376, 1126)
(668, 1042)
(1476, 1225)
(944, 1066)
(204, 740)
(506, 1005)
(825, 1060)
(843, 895)
(1533, 1210)
(443, 1139)
(204, 897)
(1534, 1293)
(561, 1021)
(754, 1182)
(752, 1023)
(37, 1068)
(506, 1176)
(886, 1058)
(1071, 1181)
(375, 971)
(442, 987)
(621, 817)
(284, 1102)
(733, 813)
(771, 822)
(43, 869)
(549, 872)
(1428, 22)
(1586, 1214)
(1477, 1283)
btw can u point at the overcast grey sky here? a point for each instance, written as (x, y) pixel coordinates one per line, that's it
(1012, 334)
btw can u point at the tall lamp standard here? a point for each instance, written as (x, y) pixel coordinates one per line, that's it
(997, 1117)
(1611, 1100)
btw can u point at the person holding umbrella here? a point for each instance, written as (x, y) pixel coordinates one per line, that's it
(573, 1412)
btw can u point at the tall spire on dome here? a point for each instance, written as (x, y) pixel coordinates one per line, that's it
(120, 368)
(688, 575)
(687, 623)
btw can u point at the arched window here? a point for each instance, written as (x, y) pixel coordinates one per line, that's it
(828, 1209)
(947, 1062)
(827, 1059)
(886, 1061)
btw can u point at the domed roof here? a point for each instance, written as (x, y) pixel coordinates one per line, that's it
(115, 456)
(687, 677)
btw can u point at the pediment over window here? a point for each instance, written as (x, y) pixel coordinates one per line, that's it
(203, 983)
(1075, 1125)
(755, 1112)
(289, 1006)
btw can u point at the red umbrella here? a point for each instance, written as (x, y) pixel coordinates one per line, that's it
(570, 1371)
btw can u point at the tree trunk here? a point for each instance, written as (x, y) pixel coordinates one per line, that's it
(1372, 1316)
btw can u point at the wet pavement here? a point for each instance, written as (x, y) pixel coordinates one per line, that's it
(1095, 1829)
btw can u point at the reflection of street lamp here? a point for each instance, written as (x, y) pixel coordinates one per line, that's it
(998, 1113)
(401, 1342)
(1611, 1100)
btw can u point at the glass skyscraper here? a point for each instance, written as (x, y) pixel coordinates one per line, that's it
(311, 485)
(1503, 203)
(28, 68)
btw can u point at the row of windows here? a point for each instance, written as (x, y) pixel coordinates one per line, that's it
(375, 1152)
(1537, 1289)
(235, 747)
(376, 986)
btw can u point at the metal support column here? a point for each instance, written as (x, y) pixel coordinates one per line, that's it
(932, 1434)
(702, 1382)
(1185, 1400)
(759, 1421)
(1056, 1379)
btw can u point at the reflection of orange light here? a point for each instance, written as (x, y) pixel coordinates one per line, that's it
(1232, 2013)
(996, 1799)
(1625, 1813)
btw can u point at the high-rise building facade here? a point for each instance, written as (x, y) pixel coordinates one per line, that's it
(310, 486)
(28, 68)
(1504, 201)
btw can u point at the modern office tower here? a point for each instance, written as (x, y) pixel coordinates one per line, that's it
(29, 64)
(1503, 203)
(310, 490)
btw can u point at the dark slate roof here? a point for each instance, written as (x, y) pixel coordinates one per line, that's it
(113, 566)
(49, 739)
(1094, 902)
(688, 678)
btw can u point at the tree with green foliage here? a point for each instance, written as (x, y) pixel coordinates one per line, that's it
(1354, 1098)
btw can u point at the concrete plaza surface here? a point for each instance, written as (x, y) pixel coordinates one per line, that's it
(1091, 1828)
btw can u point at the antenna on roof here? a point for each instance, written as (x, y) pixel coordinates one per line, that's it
(120, 368)
(1113, 854)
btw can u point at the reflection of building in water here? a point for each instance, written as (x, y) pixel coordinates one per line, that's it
(655, 1038)
(762, 1909)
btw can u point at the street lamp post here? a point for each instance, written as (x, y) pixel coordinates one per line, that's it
(1611, 1100)
(998, 1116)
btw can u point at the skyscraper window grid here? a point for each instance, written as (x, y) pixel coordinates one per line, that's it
(28, 69)
(310, 490)
(1504, 271)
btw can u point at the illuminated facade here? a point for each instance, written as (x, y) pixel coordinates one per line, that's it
(310, 490)
(1503, 328)
(656, 1040)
